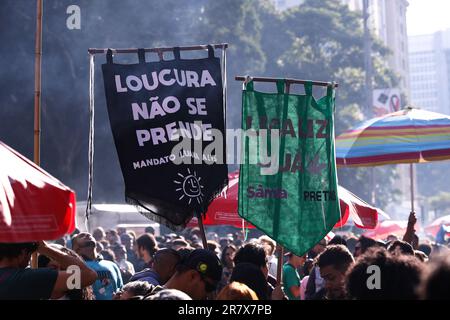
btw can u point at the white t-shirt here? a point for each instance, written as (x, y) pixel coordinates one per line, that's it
(273, 264)
(303, 285)
(126, 265)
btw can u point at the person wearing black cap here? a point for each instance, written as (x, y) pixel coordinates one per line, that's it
(197, 275)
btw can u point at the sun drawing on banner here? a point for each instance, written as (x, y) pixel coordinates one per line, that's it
(190, 187)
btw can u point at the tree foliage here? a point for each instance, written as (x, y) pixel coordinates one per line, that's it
(318, 40)
(440, 203)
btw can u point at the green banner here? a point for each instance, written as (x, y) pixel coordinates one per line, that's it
(287, 181)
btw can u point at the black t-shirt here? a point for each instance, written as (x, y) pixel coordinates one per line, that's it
(27, 284)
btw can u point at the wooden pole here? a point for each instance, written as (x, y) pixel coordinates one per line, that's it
(411, 176)
(287, 89)
(37, 96)
(280, 265)
(37, 84)
(202, 231)
(368, 59)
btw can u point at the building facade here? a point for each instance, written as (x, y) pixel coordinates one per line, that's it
(429, 59)
(387, 20)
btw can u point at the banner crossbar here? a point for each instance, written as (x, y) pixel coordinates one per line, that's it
(288, 81)
(157, 50)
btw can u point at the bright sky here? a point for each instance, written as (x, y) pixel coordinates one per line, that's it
(427, 16)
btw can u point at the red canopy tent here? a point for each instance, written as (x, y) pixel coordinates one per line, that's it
(224, 209)
(33, 204)
(433, 228)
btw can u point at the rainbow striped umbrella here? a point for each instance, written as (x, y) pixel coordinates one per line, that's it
(406, 136)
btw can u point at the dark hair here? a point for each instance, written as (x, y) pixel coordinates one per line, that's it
(137, 288)
(180, 242)
(195, 231)
(148, 242)
(337, 256)
(338, 240)
(119, 248)
(150, 230)
(112, 232)
(126, 236)
(420, 255)
(366, 243)
(252, 276)
(159, 255)
(252, 253)
(425, 248)
(405, 247)
(212, 245)
(400, 276)
(43, 261)
(108, 254)
(98, 233)
(309, 264)
(105, 244)
(351, 243)
(13, 250)
(435, 283)
(224, 251)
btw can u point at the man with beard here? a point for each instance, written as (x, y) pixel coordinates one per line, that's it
(109, 279)
(146, 247)
(333, 263)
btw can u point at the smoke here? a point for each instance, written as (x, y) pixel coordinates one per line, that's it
(104, 24)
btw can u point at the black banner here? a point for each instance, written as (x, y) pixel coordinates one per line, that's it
(163, 113)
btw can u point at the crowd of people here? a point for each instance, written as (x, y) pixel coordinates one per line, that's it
(119, 265)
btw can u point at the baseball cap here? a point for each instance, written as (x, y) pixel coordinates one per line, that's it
(205, 262)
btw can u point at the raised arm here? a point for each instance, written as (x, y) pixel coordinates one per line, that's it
(87, 275)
